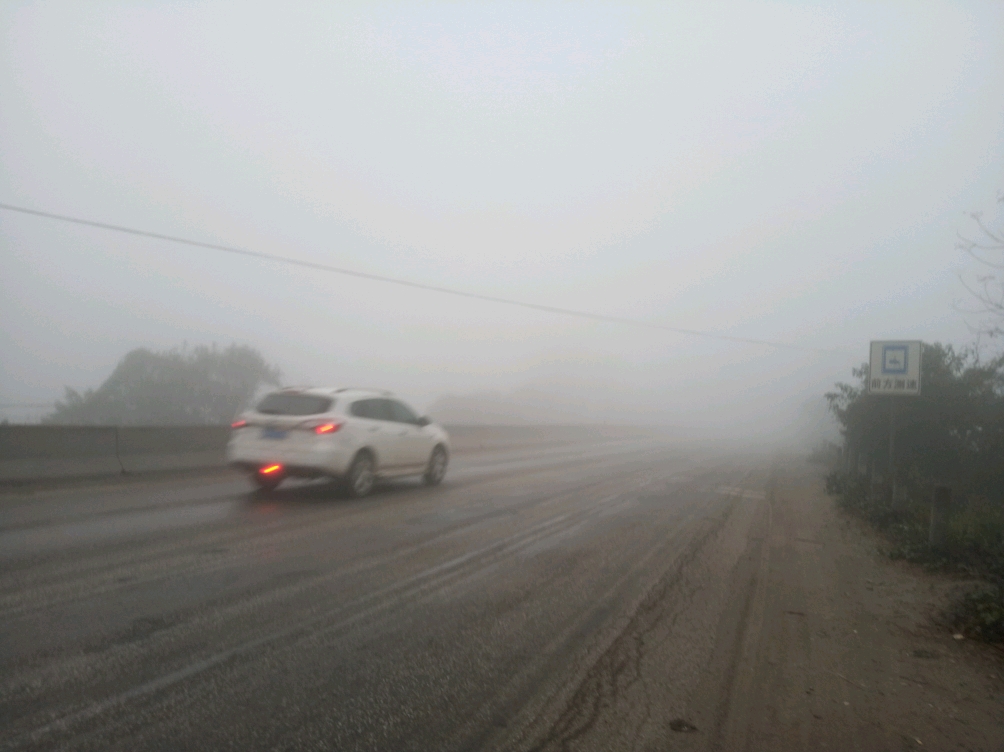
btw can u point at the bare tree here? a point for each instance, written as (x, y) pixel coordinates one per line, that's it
(986, 246)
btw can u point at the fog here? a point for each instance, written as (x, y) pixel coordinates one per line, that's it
(791, 173)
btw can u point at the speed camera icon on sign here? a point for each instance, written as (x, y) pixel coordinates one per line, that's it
(894, 359)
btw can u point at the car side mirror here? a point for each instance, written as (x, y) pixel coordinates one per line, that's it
(423, 421)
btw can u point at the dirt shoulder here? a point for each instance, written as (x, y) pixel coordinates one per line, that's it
(779, 626)
(840, 648)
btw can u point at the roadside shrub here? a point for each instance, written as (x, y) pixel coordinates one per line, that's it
(976, 537)
(871, 503)
(980, 615)
(974, 545)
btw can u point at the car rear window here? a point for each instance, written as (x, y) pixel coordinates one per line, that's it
(279, 403)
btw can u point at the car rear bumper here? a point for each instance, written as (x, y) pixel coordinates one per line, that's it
(310, 458)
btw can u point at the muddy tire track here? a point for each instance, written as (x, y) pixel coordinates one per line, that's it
(620, 668)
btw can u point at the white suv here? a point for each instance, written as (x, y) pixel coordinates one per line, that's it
(357, 435)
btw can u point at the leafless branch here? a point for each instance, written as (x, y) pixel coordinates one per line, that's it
(987, 290)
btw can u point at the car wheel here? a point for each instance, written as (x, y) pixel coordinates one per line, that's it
(265, 483)
(361, 476)
(436, 469)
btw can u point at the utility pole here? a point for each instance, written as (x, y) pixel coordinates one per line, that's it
(894, 372)
(892, 450)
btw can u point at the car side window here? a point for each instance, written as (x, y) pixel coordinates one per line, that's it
(363, 408)
(383, 409)
(402, 413)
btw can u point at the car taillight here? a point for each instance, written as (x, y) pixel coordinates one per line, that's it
(327, 428)
(271, 470)
(238, 424)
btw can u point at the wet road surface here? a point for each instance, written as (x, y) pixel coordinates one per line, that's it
(483, 614)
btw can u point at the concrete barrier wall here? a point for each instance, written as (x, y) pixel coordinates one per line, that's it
(29, 453)
(46, 452)
(143, 448)
(468, 438)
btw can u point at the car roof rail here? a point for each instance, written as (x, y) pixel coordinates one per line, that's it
(384, 392)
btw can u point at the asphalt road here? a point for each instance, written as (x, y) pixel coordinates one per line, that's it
(507, 609)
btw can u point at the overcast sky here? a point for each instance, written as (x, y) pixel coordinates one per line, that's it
(792, 172)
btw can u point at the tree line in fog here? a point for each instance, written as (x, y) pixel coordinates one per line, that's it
(197, 386)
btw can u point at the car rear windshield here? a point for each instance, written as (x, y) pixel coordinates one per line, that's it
(294, 404)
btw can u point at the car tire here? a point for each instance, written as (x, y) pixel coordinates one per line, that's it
(435, 471)
(266, 485)
(361, 476)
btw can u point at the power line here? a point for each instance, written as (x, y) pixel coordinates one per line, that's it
(408, 283)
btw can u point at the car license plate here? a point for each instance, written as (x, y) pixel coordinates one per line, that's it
(273, 433)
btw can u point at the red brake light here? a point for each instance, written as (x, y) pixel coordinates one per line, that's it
(327, 428)
(238, 424)
(271, 469)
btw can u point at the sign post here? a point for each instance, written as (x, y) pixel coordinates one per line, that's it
(894, 371)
